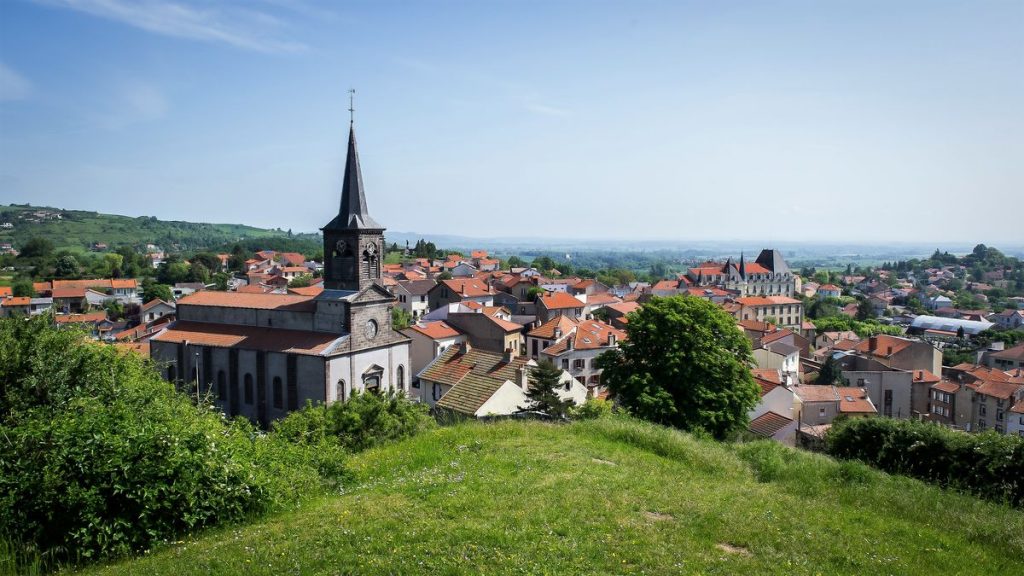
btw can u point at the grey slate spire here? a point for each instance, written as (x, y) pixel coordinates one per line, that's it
(743, 268)
(353, 214)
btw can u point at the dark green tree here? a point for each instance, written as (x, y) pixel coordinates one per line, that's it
(865, 310)
(36, 248)
(66, 267)
(23, 287)
(400, 318)
(516, 262)
(152, 290)
(685, 364)
(829, 373)
(543, 394)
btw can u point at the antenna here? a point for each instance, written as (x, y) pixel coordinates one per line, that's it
(351, 107)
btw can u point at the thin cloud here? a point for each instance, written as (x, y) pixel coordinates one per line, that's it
(13, 86)
(133, 102)
(241, 28)
(545, 110)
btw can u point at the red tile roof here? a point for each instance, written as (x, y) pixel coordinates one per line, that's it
(248, 338)
(769, 424)
(314, 290)
(559, 301)
(124, 283)
(766, 300)
(6, 291)
(589, 335)
(152, 303)
(293, 258)
(468, 287)
(854, 401)
(244, 300)
(1003, 390)
(435, 330)
(946, 386)
(9, 301)
(925, 376)
(547, 329)
(78, 318)
(624, 307)
(883, 345)
(767, 379)
(68, 292)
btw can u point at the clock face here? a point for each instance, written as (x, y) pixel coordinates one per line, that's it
(340, 246)
(371, 328)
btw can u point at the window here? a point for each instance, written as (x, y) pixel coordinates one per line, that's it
(821, 412)
(278, 393)
(579, 364)
(565, 364)
(248, 389)
(400, 378)
(339, 391)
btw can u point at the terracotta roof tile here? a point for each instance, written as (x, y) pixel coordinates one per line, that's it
(559, 301)
(248, 338)
(854, 401)
(589, 335)
(435, 330)
(1003, 390)
(769, 424)
(245, 300)
(79, 318)
(925, 376)
(946, 386)
(547, 329)
(468, 287)
(9, 301)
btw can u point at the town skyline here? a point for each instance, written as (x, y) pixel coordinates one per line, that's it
(657, 122)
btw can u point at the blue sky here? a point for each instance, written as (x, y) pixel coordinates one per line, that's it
(768, 121)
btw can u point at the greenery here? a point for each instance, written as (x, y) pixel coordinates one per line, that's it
(607, 496)
(686, 364)
(543, 393)
(364, 421)
(988, 464)
(151, 290)
(400, 318)
(843, 323)
(830, 371)
(103, 458)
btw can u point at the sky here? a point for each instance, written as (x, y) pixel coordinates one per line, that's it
(860, 120)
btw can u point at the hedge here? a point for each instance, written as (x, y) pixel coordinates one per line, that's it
(988, 464)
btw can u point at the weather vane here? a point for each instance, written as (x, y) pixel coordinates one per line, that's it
(351, 107)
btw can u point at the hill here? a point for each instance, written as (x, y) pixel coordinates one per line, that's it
(608, 496)
(78, 230)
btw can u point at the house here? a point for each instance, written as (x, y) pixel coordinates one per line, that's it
(154, 309)
(782, 357)
(1009, 319)
(551, 304)
(428, 340)
(1015, 422)
(992, 402)
(768, 275)
(829, 291)
(938, 301)
(541, 336)
(577, 352)
(182, 289)
(617, 313)
(901, 353)
(821, 404)
(830, 338)
(15, 306)
(413, 296)
(774, 415)
(1006, 359)
(949, 404)
(476, 383)
(94, 321)
(489, 328)
(460, 290)
(785, 311)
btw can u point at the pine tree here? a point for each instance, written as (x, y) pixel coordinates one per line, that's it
(543, 394)
(830, 371)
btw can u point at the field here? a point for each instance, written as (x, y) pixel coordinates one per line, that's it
(608, 496)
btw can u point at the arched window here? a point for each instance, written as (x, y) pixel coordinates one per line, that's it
(222, 385)
(248, 389)
(339, 391)
(400, 378)
(278, 393)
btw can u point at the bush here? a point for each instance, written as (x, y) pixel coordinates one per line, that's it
(366, 420)
(988, 464)
(102, 458)
(591, 409)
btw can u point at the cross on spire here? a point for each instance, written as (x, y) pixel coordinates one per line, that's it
(351, 107)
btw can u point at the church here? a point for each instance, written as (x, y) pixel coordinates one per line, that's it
(264, 355)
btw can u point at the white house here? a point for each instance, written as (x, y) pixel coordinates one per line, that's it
(780, 356)
(428, 341)
(412, 296)
(154, 309)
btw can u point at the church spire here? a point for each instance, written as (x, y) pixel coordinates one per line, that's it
(743, 268)
(353, 214)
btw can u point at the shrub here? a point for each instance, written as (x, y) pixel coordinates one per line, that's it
(101, 457)
(988, 464)
(366, 420)
(592, 408)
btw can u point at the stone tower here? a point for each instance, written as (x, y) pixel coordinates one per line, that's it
(353, 241)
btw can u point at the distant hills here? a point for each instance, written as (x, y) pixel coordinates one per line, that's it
(79, 230)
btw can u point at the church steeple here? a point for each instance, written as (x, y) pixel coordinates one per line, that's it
(353, 241)
(353, 214)
(743, 268)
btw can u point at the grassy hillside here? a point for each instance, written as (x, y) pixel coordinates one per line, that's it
(608, 496)
(78, 230)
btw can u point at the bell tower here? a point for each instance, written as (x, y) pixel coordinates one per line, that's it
(353, 241)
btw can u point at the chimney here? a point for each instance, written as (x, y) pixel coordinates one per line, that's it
(611, 339)
(509, 355)
(558, 333)
(521, 378)
(464, 347)
(873, 343)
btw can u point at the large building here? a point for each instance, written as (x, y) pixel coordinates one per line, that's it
(768, 275)
(263, 355)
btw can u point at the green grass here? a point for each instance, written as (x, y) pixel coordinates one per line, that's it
(608, 496)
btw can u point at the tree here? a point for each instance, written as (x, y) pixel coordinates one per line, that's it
(830, 372)
(865, 310)
(400, 318)
(960, 333)
(301, 281)
(446, 275)
(151, 291)
(67, 267)
(533, 293)
(36, 248)
(543, 393)
(516, 262)
(685, 364)
(23, 287)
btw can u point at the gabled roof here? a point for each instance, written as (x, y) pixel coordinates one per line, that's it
(883, 345)
(292, 302)
(1015, 354)
(313, 290)
(854, 401)
(80, 318)
(435, 330)
(292, 258)
(1003, 390)
(624, 307)
(766, 300)
(250, 338)
(547, 329)
(472, 392)
(946, 386)
(925, 376)
(589, 335)
(10, 301)
(767, 379)
(154, 302)
(453, 365)
(468, 287)
(559, 301)
(769, 424)
(417, 287)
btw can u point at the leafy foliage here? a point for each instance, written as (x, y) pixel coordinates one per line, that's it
(102, 458)
(684, 364)
(400, 318)
(364, 421)
(990, 465)
(543, 393)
